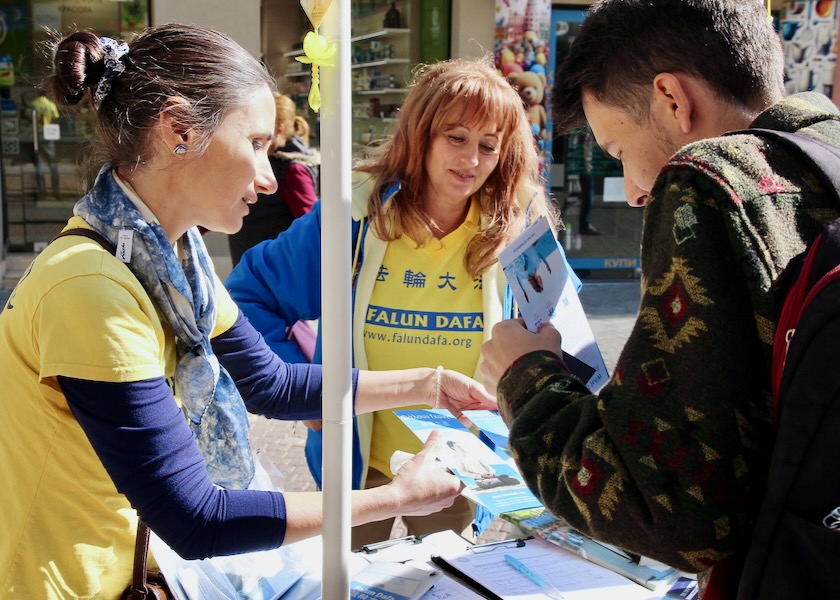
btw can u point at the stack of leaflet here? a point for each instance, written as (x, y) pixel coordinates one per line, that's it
(264, 575)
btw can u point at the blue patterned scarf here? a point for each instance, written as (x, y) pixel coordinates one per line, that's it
(184, 293)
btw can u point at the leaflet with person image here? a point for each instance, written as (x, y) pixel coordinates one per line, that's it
(536, 272)
(490, 480)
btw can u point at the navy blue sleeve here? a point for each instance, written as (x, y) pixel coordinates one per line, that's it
(269, 386)
(142, 438)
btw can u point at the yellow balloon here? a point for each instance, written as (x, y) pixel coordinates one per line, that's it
(318, 52)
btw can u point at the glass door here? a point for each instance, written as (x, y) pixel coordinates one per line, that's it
(42, 146)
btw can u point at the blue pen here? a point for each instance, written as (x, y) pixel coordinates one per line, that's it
(550, 590)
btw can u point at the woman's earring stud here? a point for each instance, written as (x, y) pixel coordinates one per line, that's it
(180, 149)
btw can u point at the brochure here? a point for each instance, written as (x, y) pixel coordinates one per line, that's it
(492, 430)
(536, 272)
(490, 480)
(386, 580)
(264, 575)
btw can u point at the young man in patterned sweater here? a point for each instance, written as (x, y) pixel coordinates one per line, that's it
(670, 458)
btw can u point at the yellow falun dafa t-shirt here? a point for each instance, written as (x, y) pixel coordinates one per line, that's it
(425, 310)
(77, 312)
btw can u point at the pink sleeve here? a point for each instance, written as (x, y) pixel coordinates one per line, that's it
(299, 190)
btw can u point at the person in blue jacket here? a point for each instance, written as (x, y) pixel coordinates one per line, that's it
(456, 182)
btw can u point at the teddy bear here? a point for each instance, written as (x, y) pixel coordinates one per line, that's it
(531, 88)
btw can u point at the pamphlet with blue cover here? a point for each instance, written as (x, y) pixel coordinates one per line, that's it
(490, 480)
(536, 273)
(491, 430)
(384, 580)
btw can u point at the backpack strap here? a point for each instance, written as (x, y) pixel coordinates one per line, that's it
(90, 234)
(822, 156)
(824, 159)
(792, 308)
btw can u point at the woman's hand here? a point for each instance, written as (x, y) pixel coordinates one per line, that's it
(457, 392)
(423, 485)
(390, 390)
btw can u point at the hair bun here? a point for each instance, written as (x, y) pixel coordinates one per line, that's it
(77, 65)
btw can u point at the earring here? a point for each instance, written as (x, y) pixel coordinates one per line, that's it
(180, 149)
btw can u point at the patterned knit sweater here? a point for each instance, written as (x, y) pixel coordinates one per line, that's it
(670, 458)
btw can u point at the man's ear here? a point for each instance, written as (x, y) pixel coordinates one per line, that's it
(674, 101)
(173, 124)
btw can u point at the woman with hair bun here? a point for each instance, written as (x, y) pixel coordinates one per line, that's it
(127, 368)
(296, 167)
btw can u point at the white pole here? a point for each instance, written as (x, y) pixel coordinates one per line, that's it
(336, 313)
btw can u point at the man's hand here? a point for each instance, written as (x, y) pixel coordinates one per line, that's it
(509, 340)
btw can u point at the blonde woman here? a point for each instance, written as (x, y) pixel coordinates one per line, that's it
(453, 185)
(296, 168)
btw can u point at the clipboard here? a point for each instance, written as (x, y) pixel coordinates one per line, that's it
(489, 574)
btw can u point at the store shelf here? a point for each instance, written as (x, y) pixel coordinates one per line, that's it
(293, 53)
(299, 74)
(381, 33)
(377, 119)
(381, 91)
(381, 63)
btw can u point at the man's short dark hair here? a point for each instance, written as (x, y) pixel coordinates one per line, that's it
(624, 44)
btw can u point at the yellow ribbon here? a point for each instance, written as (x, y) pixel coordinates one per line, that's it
(319, 53)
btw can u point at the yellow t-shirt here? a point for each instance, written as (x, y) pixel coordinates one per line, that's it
(46, 109)
(425, 310)
(77, 312)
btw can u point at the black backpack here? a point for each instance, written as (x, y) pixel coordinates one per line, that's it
(795, 545)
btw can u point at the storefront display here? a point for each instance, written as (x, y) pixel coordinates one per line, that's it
(602, 231)
(522, 54)
(384, 50)
(381, 66)
(809, 34)
(39, 143)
